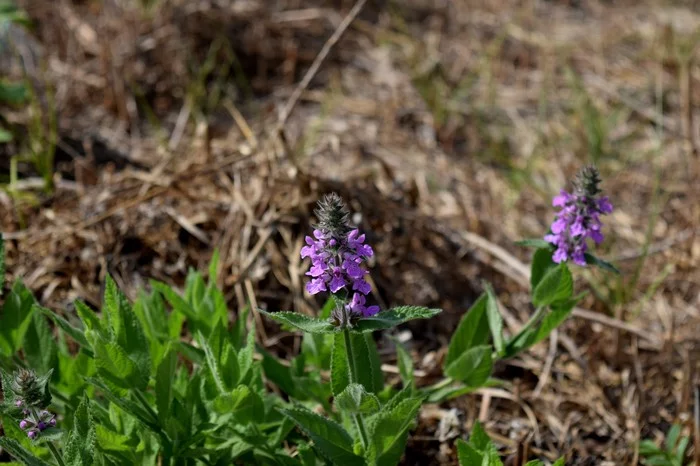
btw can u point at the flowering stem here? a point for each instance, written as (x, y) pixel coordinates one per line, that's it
(54, 451)
(359, 420)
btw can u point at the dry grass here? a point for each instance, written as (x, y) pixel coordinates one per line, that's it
(447, 125)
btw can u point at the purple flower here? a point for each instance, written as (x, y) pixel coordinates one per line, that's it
(32, 434)
(18, 403)
(42, 425)
(357, 306)
(578, 218)
(337, 254)
(23, 424)
(52, 422)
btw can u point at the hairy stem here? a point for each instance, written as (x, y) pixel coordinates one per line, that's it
(357, 418)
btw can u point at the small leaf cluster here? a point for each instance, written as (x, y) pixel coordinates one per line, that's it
(671, 453)
(481, 451)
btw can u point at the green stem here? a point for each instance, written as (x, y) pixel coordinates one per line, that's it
(142, 399)
(359, 420)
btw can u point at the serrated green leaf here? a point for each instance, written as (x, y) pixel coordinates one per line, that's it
(329, 437)
(534, 243)
(165, 378)
(88, 317)
(557, 285)
(112, 441)
(247, 353)
(393, 317)
(355, 400)
(15, 316)
(387, 432)
(213, 365)
(467, 455)
(473, 367)
(80, 448)
(493, 314)
(40, 348)
(17, 451)
(114, 364)
(301, 321)
(473, 330)
(541, 263)
(600, 263)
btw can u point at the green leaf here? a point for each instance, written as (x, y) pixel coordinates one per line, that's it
(88, 317)
(2, 262)
(114, 365)
(541, 263)
(473, 367)
(405, 363)
(126, 404)
(301, 321)
(80, 448)
(467, 455)
(247, 353)
(340, 367)
(366, 360)
(245, 405)
(493, 315)
(354, 399)
(110, 440)
(600, 263)
(388, 432)
(77, 334)
(213, 365)
(165, 377)
(478, 438)
(15, 317)
(40, 348)
(559, 462)
(13, 93)
(329, 437)
(5, 136)
(534, 243)
(473, 330)
(17, 451)
(557, 285)
(558, 314)
(393, 317)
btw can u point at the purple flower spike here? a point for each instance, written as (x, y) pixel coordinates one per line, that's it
(578, 218)
(337, 254)
(18, 403)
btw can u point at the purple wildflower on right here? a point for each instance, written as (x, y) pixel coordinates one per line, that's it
(578, 218)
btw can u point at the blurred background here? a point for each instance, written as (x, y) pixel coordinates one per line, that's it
(137, 136)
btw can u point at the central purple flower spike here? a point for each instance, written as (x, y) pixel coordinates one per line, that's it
(337, 253)
(578, 218)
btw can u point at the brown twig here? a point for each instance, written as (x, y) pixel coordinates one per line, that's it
(318, 61)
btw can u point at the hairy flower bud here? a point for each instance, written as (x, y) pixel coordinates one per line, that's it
(31, 390)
